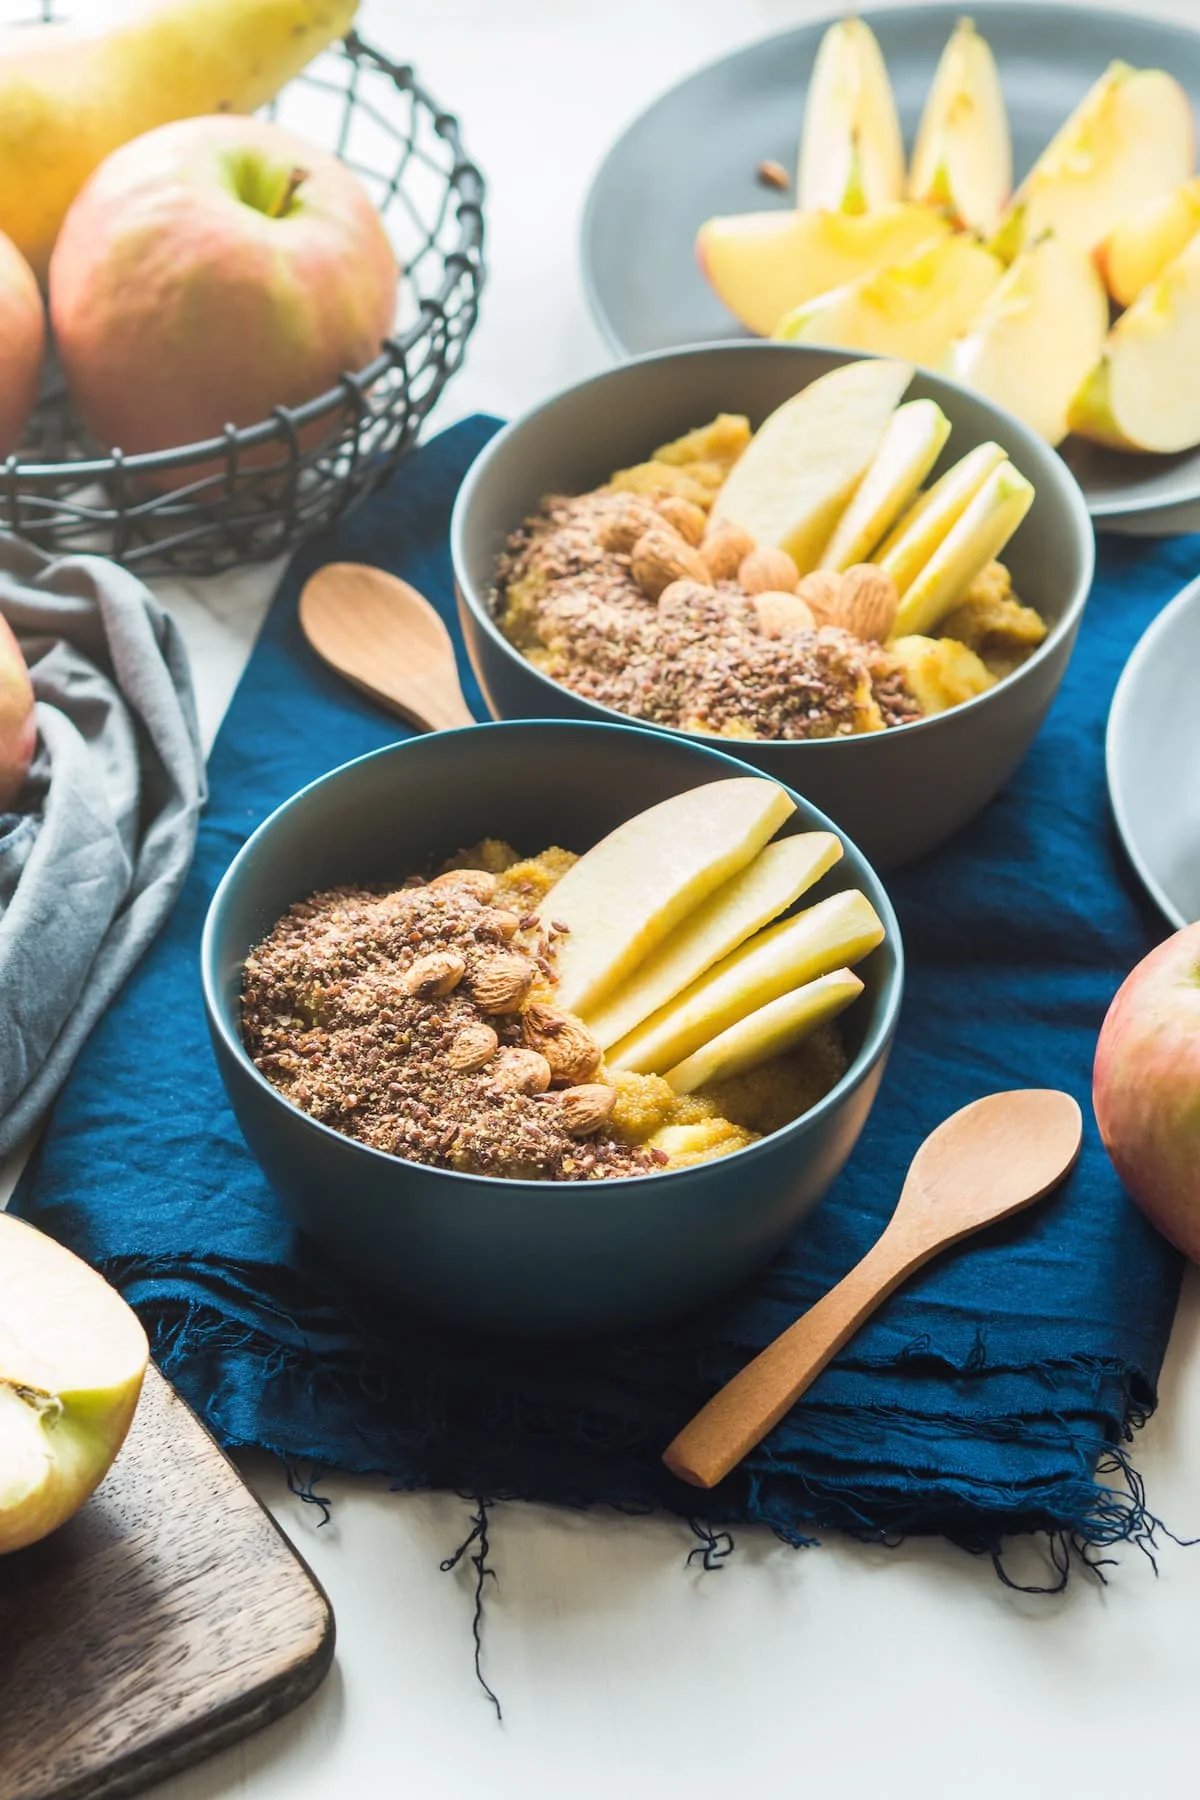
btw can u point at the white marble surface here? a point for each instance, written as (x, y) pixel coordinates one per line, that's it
(843, 1670)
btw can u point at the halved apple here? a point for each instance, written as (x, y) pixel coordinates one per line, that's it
(1132, 136)
(851, 150)
(761, 891)
(791, 483)
(773, 1029)
(913, 309)
(1037, 335)
(835, 932)
(980, 534)
(1144, 393)
(911, 445)
(629, 891)
(763, 264)
(1142, 245)
(962, 158)
(72, 1360)
(913, 540)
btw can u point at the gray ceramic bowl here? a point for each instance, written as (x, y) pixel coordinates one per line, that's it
(521, 1257)
(896, 793)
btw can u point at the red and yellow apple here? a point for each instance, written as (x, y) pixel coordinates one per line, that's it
(1146, 1087)
(18, 732)
(210, 271)
(22, 344)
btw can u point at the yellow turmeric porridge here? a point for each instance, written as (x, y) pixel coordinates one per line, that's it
(632, 597)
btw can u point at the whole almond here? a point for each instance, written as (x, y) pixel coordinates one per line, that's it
(681, 594)
(684, 517)
(660, 557)
(869, 603)
(620, 528)
(500, 923)
(500, 983)
(724, 548)
(434, 975)
(767, 570)
(474, 1047)
(518, 1071)
(475, 882)
(821, 592)
(565, 1042)
(583, 1110)
(779, 615)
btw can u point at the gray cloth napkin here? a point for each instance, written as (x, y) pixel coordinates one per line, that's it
(93, 859)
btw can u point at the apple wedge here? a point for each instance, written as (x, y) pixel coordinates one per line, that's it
(913, 540)
(1144, 393)
(980, 534)
(913, 309)
(764, 889)
(911, 445)
(1132, 136)
(631, 890)
(1037, 335)
(1137, 251)
(962, 157)
(72, 1359)
(851, 150)
(765, 263)
(794, 478)
(834, 933)
(773, 1029)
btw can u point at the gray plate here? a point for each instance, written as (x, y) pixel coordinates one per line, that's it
(1153, 754)
(694, 152)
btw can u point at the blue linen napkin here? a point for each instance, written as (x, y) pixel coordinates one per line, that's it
(994, 1394)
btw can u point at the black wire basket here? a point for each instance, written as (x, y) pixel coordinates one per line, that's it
(215, 508)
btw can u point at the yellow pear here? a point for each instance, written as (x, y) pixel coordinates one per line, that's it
(1144, 393)
(1141, 246)
(759, 893)
(851, 150)
(835, 932)
(630, 891)
(794, 478)
(1036, 336)
(910, 447)
(763, 264)
(915, 537)
(72, 1359)
(981, 532)
(773, 1029)
(67, 99)
(1131, 136)
(913, 309)
(962, 158)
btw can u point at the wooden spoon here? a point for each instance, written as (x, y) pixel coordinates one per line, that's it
(985, 1162)
(386, 639)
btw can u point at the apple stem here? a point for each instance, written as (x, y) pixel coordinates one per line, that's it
(288, 194)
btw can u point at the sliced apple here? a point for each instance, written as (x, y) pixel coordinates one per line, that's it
(72, 1359)
(773, 1029)
(962, 158)
(630, 891)
(980, 534)
(1036, 336)
(763, 264)
(791, 483)
(1137, 251)
(913, 540)
(764, 889)
(1144, 393)
(911, 445)
(835, 932)
(913, 309)
(1132, 136)
(851, 150)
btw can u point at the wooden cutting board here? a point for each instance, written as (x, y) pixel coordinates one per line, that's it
(169, 1618)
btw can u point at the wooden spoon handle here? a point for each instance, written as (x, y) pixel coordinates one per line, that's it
(741, 1413)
